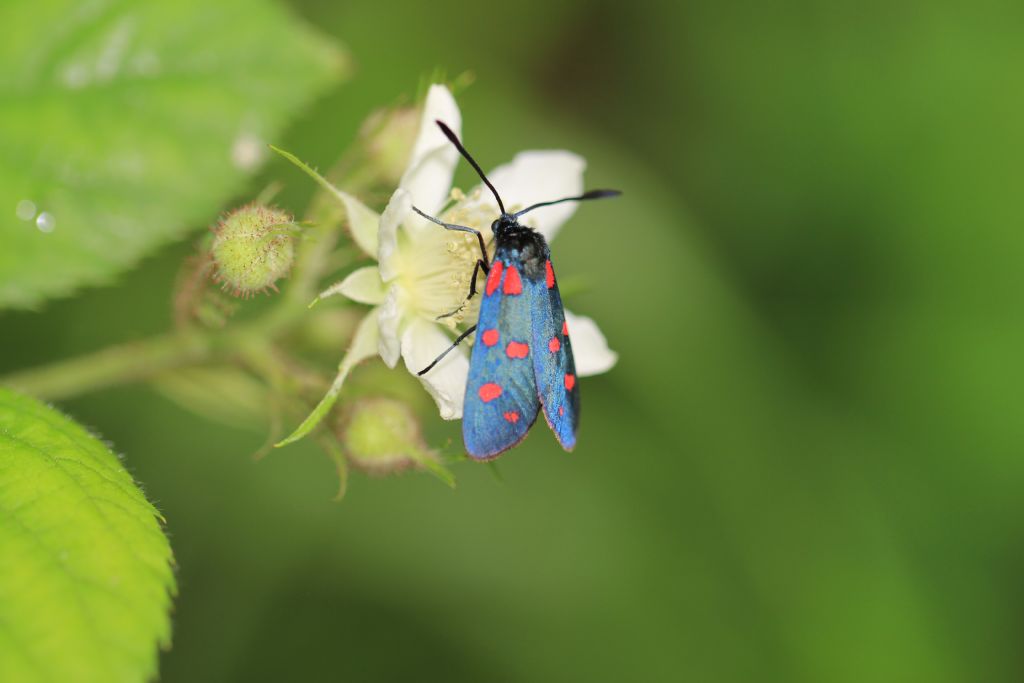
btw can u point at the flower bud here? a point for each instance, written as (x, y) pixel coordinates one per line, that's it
(381, 435)
(389, 135)
(253, 247)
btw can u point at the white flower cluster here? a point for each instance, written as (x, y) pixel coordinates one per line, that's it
(423, 271)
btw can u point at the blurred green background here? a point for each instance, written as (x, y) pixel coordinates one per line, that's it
(807, 465)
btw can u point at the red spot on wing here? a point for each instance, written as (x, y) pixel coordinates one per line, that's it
(565, 328)
(512, 416)
(561, 411)
(513, 285)
(489, 337)
(517, 350)
(570, 381)
(494, 277)
(490, 391)
(554, 345)
(549, 275)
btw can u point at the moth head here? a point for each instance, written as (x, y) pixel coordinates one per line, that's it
(504, 223)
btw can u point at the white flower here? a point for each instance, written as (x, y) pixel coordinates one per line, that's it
(423, 270)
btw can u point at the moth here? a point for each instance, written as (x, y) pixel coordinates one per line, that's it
(522, 363)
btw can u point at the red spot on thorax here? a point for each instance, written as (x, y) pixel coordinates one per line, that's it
(494, 277)
(517, 350)
(489, 392)
(561, 411)
(513, 285)
(489, 337)
(570, 381)
(549, 275)
(512, 416)
(554, 345)
(565, 328)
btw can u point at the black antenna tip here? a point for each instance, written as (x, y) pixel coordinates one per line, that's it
(601, 194)
(472, 162)
(446, 130)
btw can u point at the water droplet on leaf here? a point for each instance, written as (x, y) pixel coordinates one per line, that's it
(46, 222)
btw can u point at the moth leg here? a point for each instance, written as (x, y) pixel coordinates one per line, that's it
(472, 288)
(437, 360)
(461, 228)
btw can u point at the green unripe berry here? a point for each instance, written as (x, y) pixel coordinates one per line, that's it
(254, 246)
(381, 435)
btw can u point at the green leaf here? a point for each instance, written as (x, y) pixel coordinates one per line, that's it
(85, 570)
(125, 125)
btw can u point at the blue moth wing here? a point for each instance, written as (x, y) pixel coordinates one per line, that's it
(553, 364)
(501, 401)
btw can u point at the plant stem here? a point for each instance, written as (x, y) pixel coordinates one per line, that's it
(141, 360)
(115, 365)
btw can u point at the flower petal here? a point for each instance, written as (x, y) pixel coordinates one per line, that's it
(589, 347)
(539, 176)
(422, 342)
(389, 318)
(428, 177)
(399, 206)
(364, 345)
(363, 222)
(363, 285)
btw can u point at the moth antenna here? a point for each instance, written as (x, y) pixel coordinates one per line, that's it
(592, 194)
(472, 162)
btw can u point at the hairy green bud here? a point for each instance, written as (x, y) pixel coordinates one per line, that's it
(381, 435)
(253, 247)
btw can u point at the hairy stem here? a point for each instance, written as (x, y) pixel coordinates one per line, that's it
(141, 360)
(112, 366)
